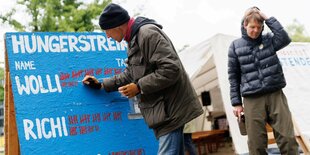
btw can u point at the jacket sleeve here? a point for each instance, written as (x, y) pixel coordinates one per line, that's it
(112, 83)
(159, 52)
(234, 76)
(280, 37)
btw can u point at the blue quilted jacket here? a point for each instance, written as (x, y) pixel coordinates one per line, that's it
(253, 65)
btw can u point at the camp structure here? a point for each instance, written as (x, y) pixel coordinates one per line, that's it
(206, 64)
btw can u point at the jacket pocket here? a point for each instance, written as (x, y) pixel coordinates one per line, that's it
(137, 67)
(154, 112)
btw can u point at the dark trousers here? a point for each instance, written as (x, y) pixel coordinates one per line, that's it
(273, 109)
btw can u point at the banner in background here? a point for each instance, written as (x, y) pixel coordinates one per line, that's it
(295, 60)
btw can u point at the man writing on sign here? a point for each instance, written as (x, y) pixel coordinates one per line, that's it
(167, 98)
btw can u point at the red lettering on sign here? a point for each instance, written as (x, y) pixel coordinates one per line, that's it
(99, 71)
(117, 70)
(117, 116)
(73, 119)
(139, 151)
(73, 131)
(96, 117)
(77, 74)
(89, 72)
(85, 118)
(106, 116)
(83, 130)
(64, 76)
(71, 84)
(96, 128)
(108, 71)
(89, 123)
(63, 84)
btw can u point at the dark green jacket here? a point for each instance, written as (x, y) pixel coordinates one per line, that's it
(168, 100)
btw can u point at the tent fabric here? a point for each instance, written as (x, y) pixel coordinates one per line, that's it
(206, 64)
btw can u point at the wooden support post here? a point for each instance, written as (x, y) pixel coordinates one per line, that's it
(10, 133)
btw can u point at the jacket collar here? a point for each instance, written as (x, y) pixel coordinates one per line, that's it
(128, 32)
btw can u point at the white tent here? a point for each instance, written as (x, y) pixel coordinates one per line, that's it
(206, 64)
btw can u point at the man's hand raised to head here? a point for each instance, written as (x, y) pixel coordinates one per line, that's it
(92, 82)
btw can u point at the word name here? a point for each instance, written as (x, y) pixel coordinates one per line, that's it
(24, 65)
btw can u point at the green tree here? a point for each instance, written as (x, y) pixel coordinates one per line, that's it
(57, 16)
(297, 32)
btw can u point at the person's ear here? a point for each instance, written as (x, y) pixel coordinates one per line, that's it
(244, 25)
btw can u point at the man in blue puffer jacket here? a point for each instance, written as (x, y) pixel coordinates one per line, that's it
(255, 73)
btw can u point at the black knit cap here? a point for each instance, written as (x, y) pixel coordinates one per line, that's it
(112, 16)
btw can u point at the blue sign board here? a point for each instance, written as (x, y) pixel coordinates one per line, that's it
(55, 112)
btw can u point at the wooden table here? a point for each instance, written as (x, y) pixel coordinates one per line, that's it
(212, 139)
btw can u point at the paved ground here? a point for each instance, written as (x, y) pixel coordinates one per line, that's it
(228, 149)
(1, 145)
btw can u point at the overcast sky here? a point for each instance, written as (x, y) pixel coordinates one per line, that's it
(189, 22)
(193, 21)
